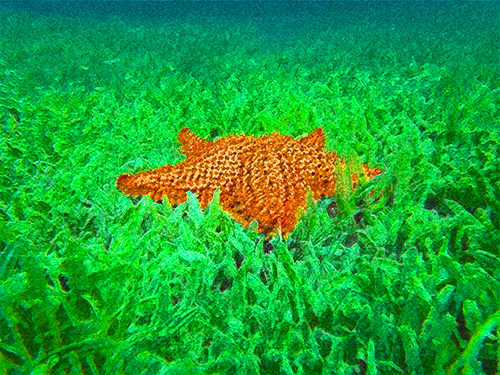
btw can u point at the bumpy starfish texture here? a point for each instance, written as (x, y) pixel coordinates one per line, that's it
(264, 179)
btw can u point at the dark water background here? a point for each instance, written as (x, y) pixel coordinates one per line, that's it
(284, 21)
(178, 9)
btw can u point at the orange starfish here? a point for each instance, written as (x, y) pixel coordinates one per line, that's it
(264, 179)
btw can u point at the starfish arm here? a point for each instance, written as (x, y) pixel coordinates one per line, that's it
(191, 144)
(371, 172)
(315, 140)
(143, 183)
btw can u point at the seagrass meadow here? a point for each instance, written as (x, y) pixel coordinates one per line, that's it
(402, 281)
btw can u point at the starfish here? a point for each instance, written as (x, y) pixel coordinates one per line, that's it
(264, 179)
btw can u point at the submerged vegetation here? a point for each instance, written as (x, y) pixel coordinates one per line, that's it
(404, 282)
